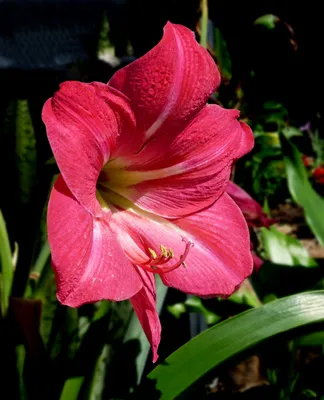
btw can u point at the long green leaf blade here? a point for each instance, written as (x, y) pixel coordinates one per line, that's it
(301, 190)
(72, 388)
(230, 337)
(6, 266)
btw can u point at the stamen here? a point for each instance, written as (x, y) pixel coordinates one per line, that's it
(157, 263)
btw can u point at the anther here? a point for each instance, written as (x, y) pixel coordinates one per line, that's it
(164, 251)
(153, 253)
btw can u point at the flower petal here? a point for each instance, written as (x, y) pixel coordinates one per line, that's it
(144, 303)
(86, 125)
(176, 176)
(257, 262)
(250, 208)
(221, 258)
(89, 263)
(217, 263)
(169, 84)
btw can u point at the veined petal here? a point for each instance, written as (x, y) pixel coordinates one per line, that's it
(144, 303)
(250, 208)
(216, 264)
(86, 125)
(169, 84)
(222, 259)
(89, 263)
(176, 176)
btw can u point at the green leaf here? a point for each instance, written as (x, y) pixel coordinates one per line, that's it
(310, 394)
(222, 55)
(291, 131)
(246, 295)
(6, 266)
(284, 249)
(97, 383)
(20, 357)
(221, 342)
(87, 350)
(269, 21)
(311, 339)
(318, 147)
(193, 304)
(25, 150)
(177, 309)
(72, 388)
(301, 190)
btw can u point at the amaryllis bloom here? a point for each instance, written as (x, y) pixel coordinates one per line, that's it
(144, 166)
(250, 208)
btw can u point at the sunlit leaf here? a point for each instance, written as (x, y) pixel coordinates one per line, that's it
(6, 266)
(177, 309)
(291, 131)
(269, 21)
(246, 295)
(193, 304)
(72, 388)
(284, 249)
(301, 190)
(228, 338)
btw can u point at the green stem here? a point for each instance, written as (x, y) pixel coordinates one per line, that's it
(204, 23)
(39, 266)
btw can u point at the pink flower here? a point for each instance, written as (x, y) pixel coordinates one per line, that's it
(144, 166)
(250, 208)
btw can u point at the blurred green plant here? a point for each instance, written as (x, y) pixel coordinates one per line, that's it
(301, 189)
(7, 266)
(283, 249)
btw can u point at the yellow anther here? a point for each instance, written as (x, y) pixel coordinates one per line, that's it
(164, 251)
(184, 264)
(171, 253)
(153, 253)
